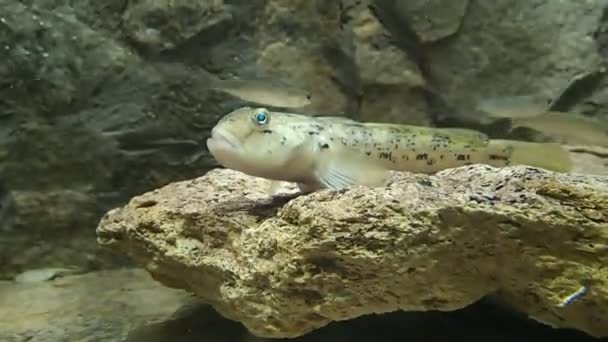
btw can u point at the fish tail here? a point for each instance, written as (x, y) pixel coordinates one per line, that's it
(549, 156)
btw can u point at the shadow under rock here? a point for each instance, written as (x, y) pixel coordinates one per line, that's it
(481, 321)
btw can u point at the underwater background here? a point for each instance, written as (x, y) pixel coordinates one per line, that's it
(101, 101)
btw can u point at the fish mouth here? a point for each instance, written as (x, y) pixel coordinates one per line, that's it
(221, 140)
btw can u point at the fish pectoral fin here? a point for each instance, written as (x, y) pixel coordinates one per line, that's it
(342, 168)
(335, 178)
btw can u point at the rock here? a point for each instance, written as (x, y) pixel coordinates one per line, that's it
(433, 20)
(518, 47)
(390, 78)
(288, 32)
(162, 25)
(52, 63)
(51, 60)
(377, 58)
(353, 57)
(286, 266)
(84, 125)
(100, 306)
(43, 274)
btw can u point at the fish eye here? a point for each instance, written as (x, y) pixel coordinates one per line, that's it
(261, 117)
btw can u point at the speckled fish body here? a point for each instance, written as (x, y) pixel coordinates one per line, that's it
(410, 148)
(331, 152)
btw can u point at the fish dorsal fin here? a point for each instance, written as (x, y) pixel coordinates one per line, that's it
(339, 167)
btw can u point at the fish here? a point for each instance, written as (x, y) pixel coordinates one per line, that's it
(567, 128)
(531, 105)
(561, 127)
(336, 153)
(519, 106)
(268, 92)
(263, 91)
(44, 274)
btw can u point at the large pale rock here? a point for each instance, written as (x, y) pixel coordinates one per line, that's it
(285, 266)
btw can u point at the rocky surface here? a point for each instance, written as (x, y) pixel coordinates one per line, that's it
(286, 266)
(86, 121)
(518, 48)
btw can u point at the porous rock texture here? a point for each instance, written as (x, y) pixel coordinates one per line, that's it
(289, 264)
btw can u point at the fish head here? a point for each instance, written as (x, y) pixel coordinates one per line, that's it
(256, 141)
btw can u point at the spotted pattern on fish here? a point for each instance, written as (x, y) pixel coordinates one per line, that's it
(401, 147)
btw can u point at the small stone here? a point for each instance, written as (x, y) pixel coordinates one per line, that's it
(42, 275)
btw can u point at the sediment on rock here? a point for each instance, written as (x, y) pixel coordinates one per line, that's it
(286, 265)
